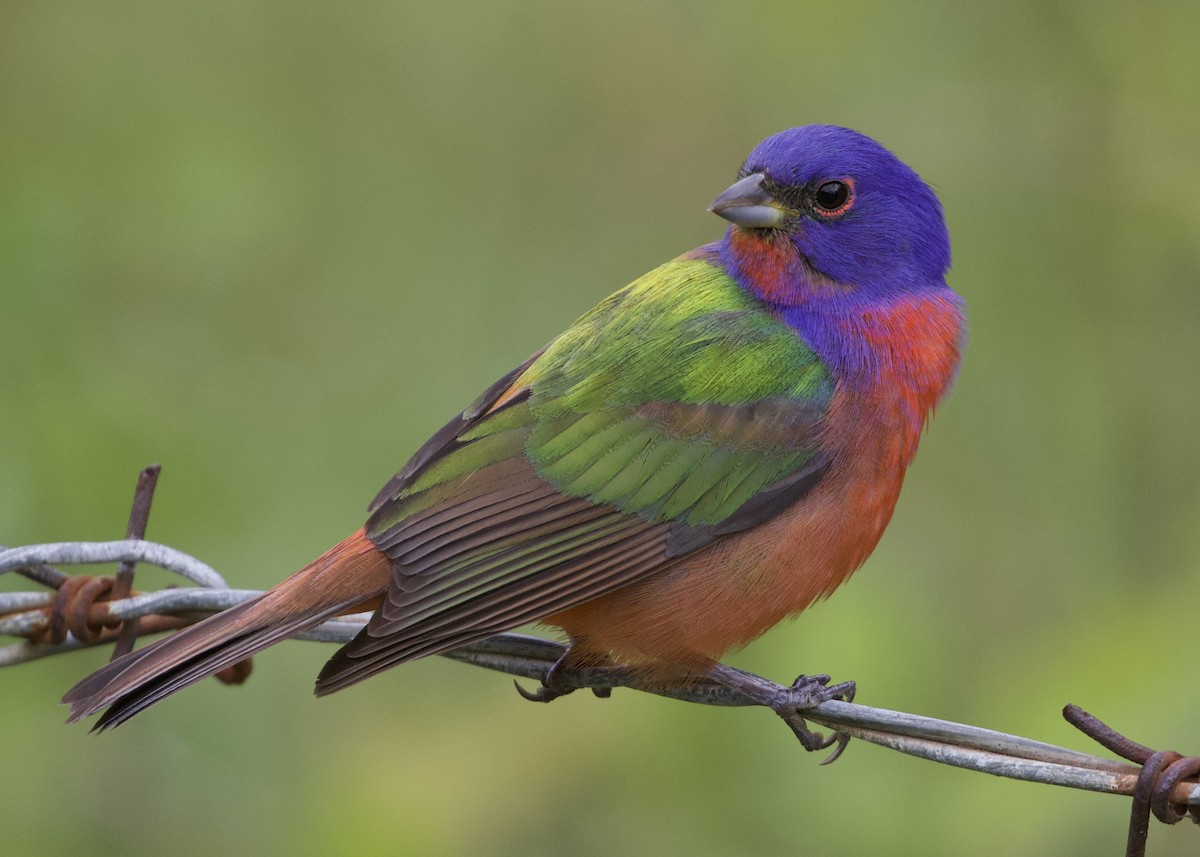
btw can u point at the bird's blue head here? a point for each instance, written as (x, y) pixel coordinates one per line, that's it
(823, 209)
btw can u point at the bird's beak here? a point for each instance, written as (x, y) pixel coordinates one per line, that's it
(747, 204)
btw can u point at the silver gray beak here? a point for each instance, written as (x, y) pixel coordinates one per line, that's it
(746, 203)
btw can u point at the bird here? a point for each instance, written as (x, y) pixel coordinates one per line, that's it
(706, 452)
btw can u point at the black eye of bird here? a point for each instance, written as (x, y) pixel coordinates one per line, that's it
(833, 198)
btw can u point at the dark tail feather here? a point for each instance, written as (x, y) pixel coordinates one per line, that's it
(348, 574)
(140, 679)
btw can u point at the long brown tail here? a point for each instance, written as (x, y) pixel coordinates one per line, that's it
(346, 575)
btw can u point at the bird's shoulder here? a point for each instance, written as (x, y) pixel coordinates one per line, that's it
(684, 332)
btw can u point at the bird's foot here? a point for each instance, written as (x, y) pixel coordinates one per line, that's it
(557, 681)
(808, 692)
(546, 693)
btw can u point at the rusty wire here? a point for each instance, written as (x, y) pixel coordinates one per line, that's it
(139, 516)
(85, 610)
(1155, 790)
(80, 611)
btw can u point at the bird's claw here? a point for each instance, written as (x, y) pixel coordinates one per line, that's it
(545, 693)
(809, 692)
(556, 683)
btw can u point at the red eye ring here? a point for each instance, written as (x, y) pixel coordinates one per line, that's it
(833, 197)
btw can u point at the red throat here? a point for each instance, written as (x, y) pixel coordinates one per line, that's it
(768, 263)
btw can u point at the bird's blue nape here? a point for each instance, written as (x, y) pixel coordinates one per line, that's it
(892, 239)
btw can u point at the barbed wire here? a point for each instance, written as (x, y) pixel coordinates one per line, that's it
(83, 610)
(24, 614)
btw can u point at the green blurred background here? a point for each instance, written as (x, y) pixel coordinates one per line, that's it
(274, 245)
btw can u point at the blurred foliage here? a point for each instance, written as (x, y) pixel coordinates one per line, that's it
(274, 245)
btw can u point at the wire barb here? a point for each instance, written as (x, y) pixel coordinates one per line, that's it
(1163, 773)
(139, 517)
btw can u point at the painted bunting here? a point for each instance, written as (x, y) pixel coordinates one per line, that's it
(704, 453)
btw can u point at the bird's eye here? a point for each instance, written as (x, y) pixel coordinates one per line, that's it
(833, 198)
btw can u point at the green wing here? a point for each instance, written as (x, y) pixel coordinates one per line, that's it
(677, 411)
